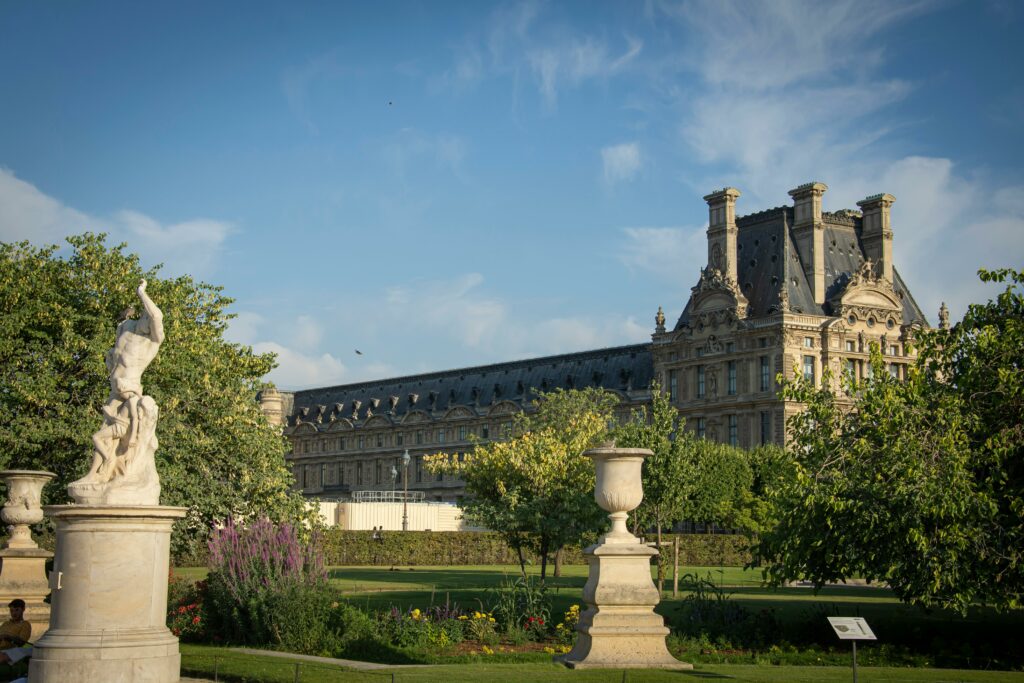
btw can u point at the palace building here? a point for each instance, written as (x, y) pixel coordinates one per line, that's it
(790, 289)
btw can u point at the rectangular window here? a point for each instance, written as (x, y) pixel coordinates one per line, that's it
(485, 432)
(850, 369)
(733, 431)
(440, 435)
(808, 342)
(809, 368)
(766, 374)
(731, 377)
(419, 468)
(399, 439)
(700, 381)
(323, 474)
(673, 385)
(300, 477)
(379, 472)
(730, 347)
(850, 346)
(462, 457)
(894, 370)
(762, 342)
(419, 437)
(463, 432)
(700, 353)
(506, 429)
(380, 441)
(362, 443)
(341, 443)
(341, 475)
(359, 474)
(701, 428)
(766, 427)
(894, 350)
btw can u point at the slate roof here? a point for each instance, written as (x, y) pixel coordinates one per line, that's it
(767, 257)
(622, 369)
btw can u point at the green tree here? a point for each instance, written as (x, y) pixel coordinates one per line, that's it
(668, 479)
(536, 488)
(919, 484)
(58, 314)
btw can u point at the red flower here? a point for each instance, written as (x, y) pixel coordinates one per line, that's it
(195, 620)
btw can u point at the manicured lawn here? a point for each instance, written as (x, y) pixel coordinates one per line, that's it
(233, 666)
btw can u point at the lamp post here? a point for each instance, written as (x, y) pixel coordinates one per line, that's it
(405, 490)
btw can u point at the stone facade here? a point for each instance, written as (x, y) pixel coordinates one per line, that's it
(791, 289)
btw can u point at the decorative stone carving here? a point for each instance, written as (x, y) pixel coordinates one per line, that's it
(943, 317)
(123, 470)
(619, 628)
(23, 563)
(659, 321)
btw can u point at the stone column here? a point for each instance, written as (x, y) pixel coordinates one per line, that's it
(22, 561)
(109, 611)
(619, 628)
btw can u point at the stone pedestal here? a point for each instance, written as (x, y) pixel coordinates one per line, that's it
(619, 629)
(22, 562)
(109, 600)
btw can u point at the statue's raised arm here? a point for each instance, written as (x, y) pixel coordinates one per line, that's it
(152, 320)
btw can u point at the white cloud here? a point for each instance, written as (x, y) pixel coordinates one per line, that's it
(621, 162)
(573, 61)
(673, 254)
(192, 246)
(297, 370)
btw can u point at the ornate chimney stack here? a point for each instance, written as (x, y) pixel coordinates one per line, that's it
(809, 234)
(272, 406)
(722, 231)
(876, 232)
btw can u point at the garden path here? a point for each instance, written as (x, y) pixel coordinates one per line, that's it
(350, 663)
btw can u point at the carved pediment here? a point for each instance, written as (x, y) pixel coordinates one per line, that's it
(304, 428)
(459, 412)
(503, 408)
(377, 421)
(340, 425)
(716, 299)
(866, 293)
(416, 416)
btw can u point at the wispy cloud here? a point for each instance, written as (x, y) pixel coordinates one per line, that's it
(620, 162)
(674, 255)
(577, 60)
(192, 246)
(410, 148)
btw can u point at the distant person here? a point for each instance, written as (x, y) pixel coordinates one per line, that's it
(15, 634)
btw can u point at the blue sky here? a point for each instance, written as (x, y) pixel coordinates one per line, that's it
(449, 184)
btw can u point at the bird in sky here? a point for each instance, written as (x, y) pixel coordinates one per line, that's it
(358, 352)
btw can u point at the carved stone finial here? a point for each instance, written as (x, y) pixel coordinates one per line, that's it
(943, 317)
(659, 321)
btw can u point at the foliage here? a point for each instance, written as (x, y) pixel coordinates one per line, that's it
(708, 609)
(920, 483)
(186, 609)
(523, 603)
(536, 488)
(668, 480)
(58, 315)
(565, 630)
(266, 586)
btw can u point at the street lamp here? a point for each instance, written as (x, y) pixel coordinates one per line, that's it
(405, 490)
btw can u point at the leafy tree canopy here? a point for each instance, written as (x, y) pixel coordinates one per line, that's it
(537, 488)
(58, 315)
(921, 483)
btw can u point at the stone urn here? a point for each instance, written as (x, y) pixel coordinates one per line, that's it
(619, 488)
(22, 507)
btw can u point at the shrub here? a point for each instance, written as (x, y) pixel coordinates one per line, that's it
(266, 587)
(186, 609)
(565, 630)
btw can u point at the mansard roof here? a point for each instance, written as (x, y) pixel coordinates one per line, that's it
(767, 260)
(621, 369)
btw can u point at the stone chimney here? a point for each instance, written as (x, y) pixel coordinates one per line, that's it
(876, 232)
(722, 231)
(272, 405)
(809, 234)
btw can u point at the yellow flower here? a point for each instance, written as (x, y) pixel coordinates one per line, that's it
(549, 650)
(415, 614)
(490, 619)
(487, 650)
(560, 626)
(463, 617)
(565, 648)
(334, 605)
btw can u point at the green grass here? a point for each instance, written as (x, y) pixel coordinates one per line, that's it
(201, 661)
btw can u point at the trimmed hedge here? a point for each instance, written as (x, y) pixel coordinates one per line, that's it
(418, 548)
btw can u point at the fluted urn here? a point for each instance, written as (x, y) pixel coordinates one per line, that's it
(22, 507)
(619, 488)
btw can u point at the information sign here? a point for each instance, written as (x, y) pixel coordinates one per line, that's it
(851, 628)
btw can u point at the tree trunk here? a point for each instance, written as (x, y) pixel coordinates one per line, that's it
(558, 562)
(522, 559)
(661, 564)
(544, 546)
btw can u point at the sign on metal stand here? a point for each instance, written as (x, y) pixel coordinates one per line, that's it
(852, 629)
